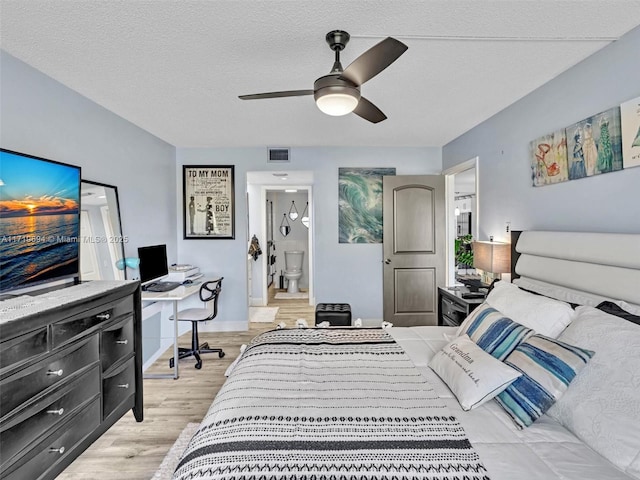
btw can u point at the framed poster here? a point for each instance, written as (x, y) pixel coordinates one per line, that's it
(208, 201)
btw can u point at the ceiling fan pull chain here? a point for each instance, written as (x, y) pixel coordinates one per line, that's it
(293, 211)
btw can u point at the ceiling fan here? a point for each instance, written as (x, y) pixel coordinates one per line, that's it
(338, 93)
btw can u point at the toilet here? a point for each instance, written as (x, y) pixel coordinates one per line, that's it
(293, 269)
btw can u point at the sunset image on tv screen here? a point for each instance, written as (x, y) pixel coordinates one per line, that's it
(39, 220)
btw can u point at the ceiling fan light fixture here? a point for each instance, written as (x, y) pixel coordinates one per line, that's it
(337, 101)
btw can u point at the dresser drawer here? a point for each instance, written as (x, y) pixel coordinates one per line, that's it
(58, 445)
(21, 349)
(27, 427)
(22, 386)
(118, 387)
(116, 342)
(69, 328)
(452, 310)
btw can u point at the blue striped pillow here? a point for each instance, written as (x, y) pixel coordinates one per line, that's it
(493, 332)
(548, 366)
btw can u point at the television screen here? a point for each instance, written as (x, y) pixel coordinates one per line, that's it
(39, 220)
(153, 263)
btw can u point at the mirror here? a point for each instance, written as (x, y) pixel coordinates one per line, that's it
(305, 216)
(293, 211)
(285, 228)
(102, 242)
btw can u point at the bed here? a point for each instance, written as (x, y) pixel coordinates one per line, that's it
(362, 403)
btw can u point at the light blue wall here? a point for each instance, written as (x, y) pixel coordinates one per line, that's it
(607, 203)
(42, 117)
(343, 273)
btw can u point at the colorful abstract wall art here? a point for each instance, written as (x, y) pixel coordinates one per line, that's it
(360, 204)
(630, 120)
(594, 145)
(549, 159)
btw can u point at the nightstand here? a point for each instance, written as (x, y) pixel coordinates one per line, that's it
(452, 308)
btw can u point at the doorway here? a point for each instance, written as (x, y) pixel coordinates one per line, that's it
(462, 210)
(280, 211)
(289, 241)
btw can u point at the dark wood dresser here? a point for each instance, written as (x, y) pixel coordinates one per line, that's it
(70, 367)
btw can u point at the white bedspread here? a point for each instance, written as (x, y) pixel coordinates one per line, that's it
(544, 451)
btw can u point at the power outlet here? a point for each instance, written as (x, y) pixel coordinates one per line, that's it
(508, 227)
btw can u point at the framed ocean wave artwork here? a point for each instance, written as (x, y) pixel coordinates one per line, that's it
(549, 159)
(360, 204)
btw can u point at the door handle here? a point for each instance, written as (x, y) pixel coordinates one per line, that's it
(387, 261)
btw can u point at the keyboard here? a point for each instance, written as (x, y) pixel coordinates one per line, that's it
(161, 286)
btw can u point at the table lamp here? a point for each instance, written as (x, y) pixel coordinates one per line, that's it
(493, 258)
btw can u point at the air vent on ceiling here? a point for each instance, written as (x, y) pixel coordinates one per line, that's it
(278, 155)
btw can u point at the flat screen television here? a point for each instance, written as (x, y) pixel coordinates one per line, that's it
(39, 221)
(153, 263)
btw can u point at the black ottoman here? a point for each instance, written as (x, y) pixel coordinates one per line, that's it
(337, 314)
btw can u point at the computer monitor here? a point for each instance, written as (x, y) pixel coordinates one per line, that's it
(153, 263)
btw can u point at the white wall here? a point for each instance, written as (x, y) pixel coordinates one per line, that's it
(343, 272)
(608, 202)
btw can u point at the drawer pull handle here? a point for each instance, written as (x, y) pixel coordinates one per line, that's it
(123, 385)
(104, 316)
(57, 373)
(122, 342)
(60, 411)
(56, 450)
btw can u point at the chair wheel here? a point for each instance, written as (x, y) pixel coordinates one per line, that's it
(220, 354)
(205, 345)
(171, 363)
(198, 365)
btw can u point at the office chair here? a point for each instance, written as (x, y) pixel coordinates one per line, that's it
(209, 294)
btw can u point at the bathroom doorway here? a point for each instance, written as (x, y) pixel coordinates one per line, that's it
(281, 218)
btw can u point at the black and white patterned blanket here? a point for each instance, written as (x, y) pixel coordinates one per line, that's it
(328, 404)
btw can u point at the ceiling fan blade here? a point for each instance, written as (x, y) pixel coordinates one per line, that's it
(288, 93)
(374, 60)
(369, 111)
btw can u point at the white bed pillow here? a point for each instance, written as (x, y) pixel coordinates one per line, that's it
(474, 376)
(545, 315)
(601, 407)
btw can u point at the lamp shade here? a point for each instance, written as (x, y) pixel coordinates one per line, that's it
(493, 257)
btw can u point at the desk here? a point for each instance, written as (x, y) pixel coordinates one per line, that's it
(176, 295)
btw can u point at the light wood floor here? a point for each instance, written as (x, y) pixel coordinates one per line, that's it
(133, 451)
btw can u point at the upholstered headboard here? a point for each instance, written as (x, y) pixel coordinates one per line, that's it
(604, 265)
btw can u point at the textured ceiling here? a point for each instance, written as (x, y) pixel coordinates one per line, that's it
(176, 68)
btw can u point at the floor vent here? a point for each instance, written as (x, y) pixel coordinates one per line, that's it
(278, 155)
